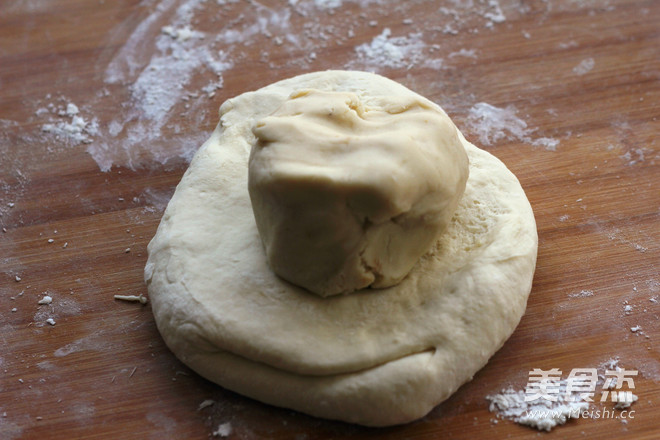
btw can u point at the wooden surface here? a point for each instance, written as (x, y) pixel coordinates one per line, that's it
(578, 82)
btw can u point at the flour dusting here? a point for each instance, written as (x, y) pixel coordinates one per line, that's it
(584, 293)
(541, 414)
(493, 124)
(393, 52)
(172, 67)
(564, 401)
(156, 89)
(223, 430)
(584, 67)
(66, 123)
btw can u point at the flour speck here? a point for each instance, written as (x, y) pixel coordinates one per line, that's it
(224, 430)
(584, 67)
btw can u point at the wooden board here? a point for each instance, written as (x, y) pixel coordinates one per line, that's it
(566, 93)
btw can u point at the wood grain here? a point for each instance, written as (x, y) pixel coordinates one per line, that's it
(586, 74)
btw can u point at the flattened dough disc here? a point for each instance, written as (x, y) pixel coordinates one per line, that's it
(375, 357)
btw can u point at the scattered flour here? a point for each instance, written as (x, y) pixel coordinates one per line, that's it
(66, 123)
(581, 294)
(391, 52)
(159, 87)
(633, 156)
(162, 84)
(610, 383)
(541, 414)
(173, 62)
(492, 124)
(618, 235)
(544, 414)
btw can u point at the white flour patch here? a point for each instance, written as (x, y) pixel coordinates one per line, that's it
(465, 53)
(162, 91)
(94, 342)
(393, 52)
(634, 153)
(128, 61)
(582, 294)
(175, 60)
(181, 34)
(83, 412)
(610, 383)
(328, 4)
(164, 424)
(46, 365)
(270, 23)
(494, 13)
(634, 156)
(10, 429)
(584, 67)
(42, 317)
(52, 308)
(493, 124)
(205, 404)
(66, 122)
(45, 300)
(616, 234)
(541, 414)
(223, 430)
(549, 144)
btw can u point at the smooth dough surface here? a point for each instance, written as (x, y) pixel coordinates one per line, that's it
(375, 357)
(347, 195)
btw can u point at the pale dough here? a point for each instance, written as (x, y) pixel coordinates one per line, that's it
(348, 195)
(376, 356)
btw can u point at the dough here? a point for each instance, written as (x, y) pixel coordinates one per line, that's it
(348, 196)
(376, 356)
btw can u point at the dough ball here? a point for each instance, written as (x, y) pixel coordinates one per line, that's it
(374, 357)
(347, 195)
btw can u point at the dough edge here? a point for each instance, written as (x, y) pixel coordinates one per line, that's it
(394, 392)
